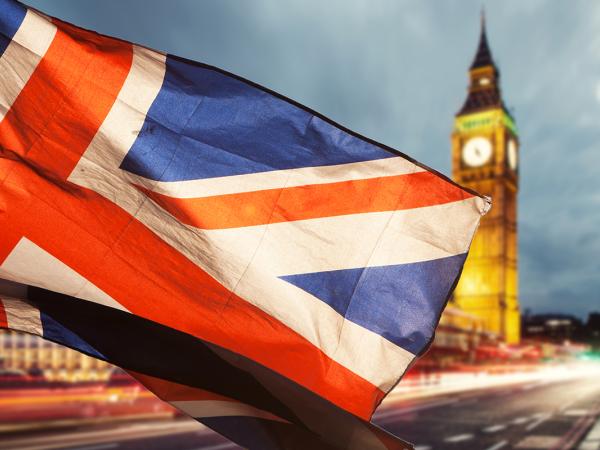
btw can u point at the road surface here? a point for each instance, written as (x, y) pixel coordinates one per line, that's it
(530, 415)
(538, 415)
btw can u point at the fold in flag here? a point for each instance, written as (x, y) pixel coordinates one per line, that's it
(258, 266)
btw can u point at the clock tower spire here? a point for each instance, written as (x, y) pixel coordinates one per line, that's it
(485, 158)
(484, 86)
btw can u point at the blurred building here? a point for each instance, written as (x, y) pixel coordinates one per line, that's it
(557, 328)
(459, 338)
(562, 328)
(36, 356)
(485, 147)
(593, 329)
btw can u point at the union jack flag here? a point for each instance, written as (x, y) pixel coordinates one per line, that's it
(260, 267)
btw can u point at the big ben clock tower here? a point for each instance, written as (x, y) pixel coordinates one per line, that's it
(485, 158)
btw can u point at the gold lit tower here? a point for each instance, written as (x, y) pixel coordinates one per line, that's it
(485, 148)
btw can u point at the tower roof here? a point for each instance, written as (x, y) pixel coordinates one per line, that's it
(483, 57)
(484, 89)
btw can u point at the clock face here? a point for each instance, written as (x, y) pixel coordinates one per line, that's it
(512, 156)
(477, 151)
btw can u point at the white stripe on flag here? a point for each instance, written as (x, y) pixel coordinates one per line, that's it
(351, 241)
(100, 162)
(280, 178)
(220, 408)
(21, 316)
(21, 57)
(30, 264)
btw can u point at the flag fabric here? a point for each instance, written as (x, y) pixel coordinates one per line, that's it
(260, 267)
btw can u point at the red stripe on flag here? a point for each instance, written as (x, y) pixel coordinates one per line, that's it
(310, 202)
(112, 249)
(3, 316)
(9, 238)
(66, 99)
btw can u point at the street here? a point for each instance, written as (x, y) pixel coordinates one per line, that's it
(539, 414)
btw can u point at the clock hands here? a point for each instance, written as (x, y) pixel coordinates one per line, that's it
(477, 151)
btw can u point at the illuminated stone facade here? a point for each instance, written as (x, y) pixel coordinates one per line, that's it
(27, 353)
(485, 148)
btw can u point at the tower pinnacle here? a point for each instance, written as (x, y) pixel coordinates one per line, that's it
(484, 87)
(483, 57)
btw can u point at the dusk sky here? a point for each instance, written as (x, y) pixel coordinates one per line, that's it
(396, 71)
